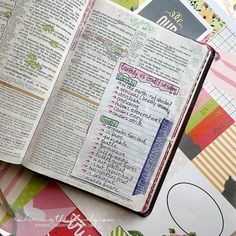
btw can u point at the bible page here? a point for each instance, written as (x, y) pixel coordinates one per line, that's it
(35, 37)
(111, 34)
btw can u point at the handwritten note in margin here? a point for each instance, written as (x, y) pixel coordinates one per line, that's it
(124, 130)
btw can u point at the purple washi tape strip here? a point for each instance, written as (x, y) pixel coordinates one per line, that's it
(153, 157)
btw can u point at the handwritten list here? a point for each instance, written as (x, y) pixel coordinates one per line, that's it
(129, 132)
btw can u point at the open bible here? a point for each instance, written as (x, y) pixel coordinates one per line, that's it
(94, 95)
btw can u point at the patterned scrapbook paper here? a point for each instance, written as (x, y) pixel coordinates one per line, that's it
(208, 15)
(74, 224)
(40, 206)
(131, 4)
(118, 231)
(218, 161)
(210, 137)
(223, 37)
(206, 123)
(210, 142)
(177, 16)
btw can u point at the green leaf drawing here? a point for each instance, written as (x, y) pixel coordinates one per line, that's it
(32, 62)
(47, 27)
(192, 234)
(8, 14)
(53, 44)
(135, 233)
(171, 231)
(34, 65)
(32, 56)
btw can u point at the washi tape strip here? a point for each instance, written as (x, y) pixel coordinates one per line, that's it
(153, 157)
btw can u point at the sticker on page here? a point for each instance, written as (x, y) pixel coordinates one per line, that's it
(125, 142)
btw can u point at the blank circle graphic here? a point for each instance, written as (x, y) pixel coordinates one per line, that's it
(194, 210)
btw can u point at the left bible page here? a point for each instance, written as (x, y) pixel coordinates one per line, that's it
(35, 37)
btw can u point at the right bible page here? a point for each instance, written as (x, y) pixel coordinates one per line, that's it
(112, 36)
